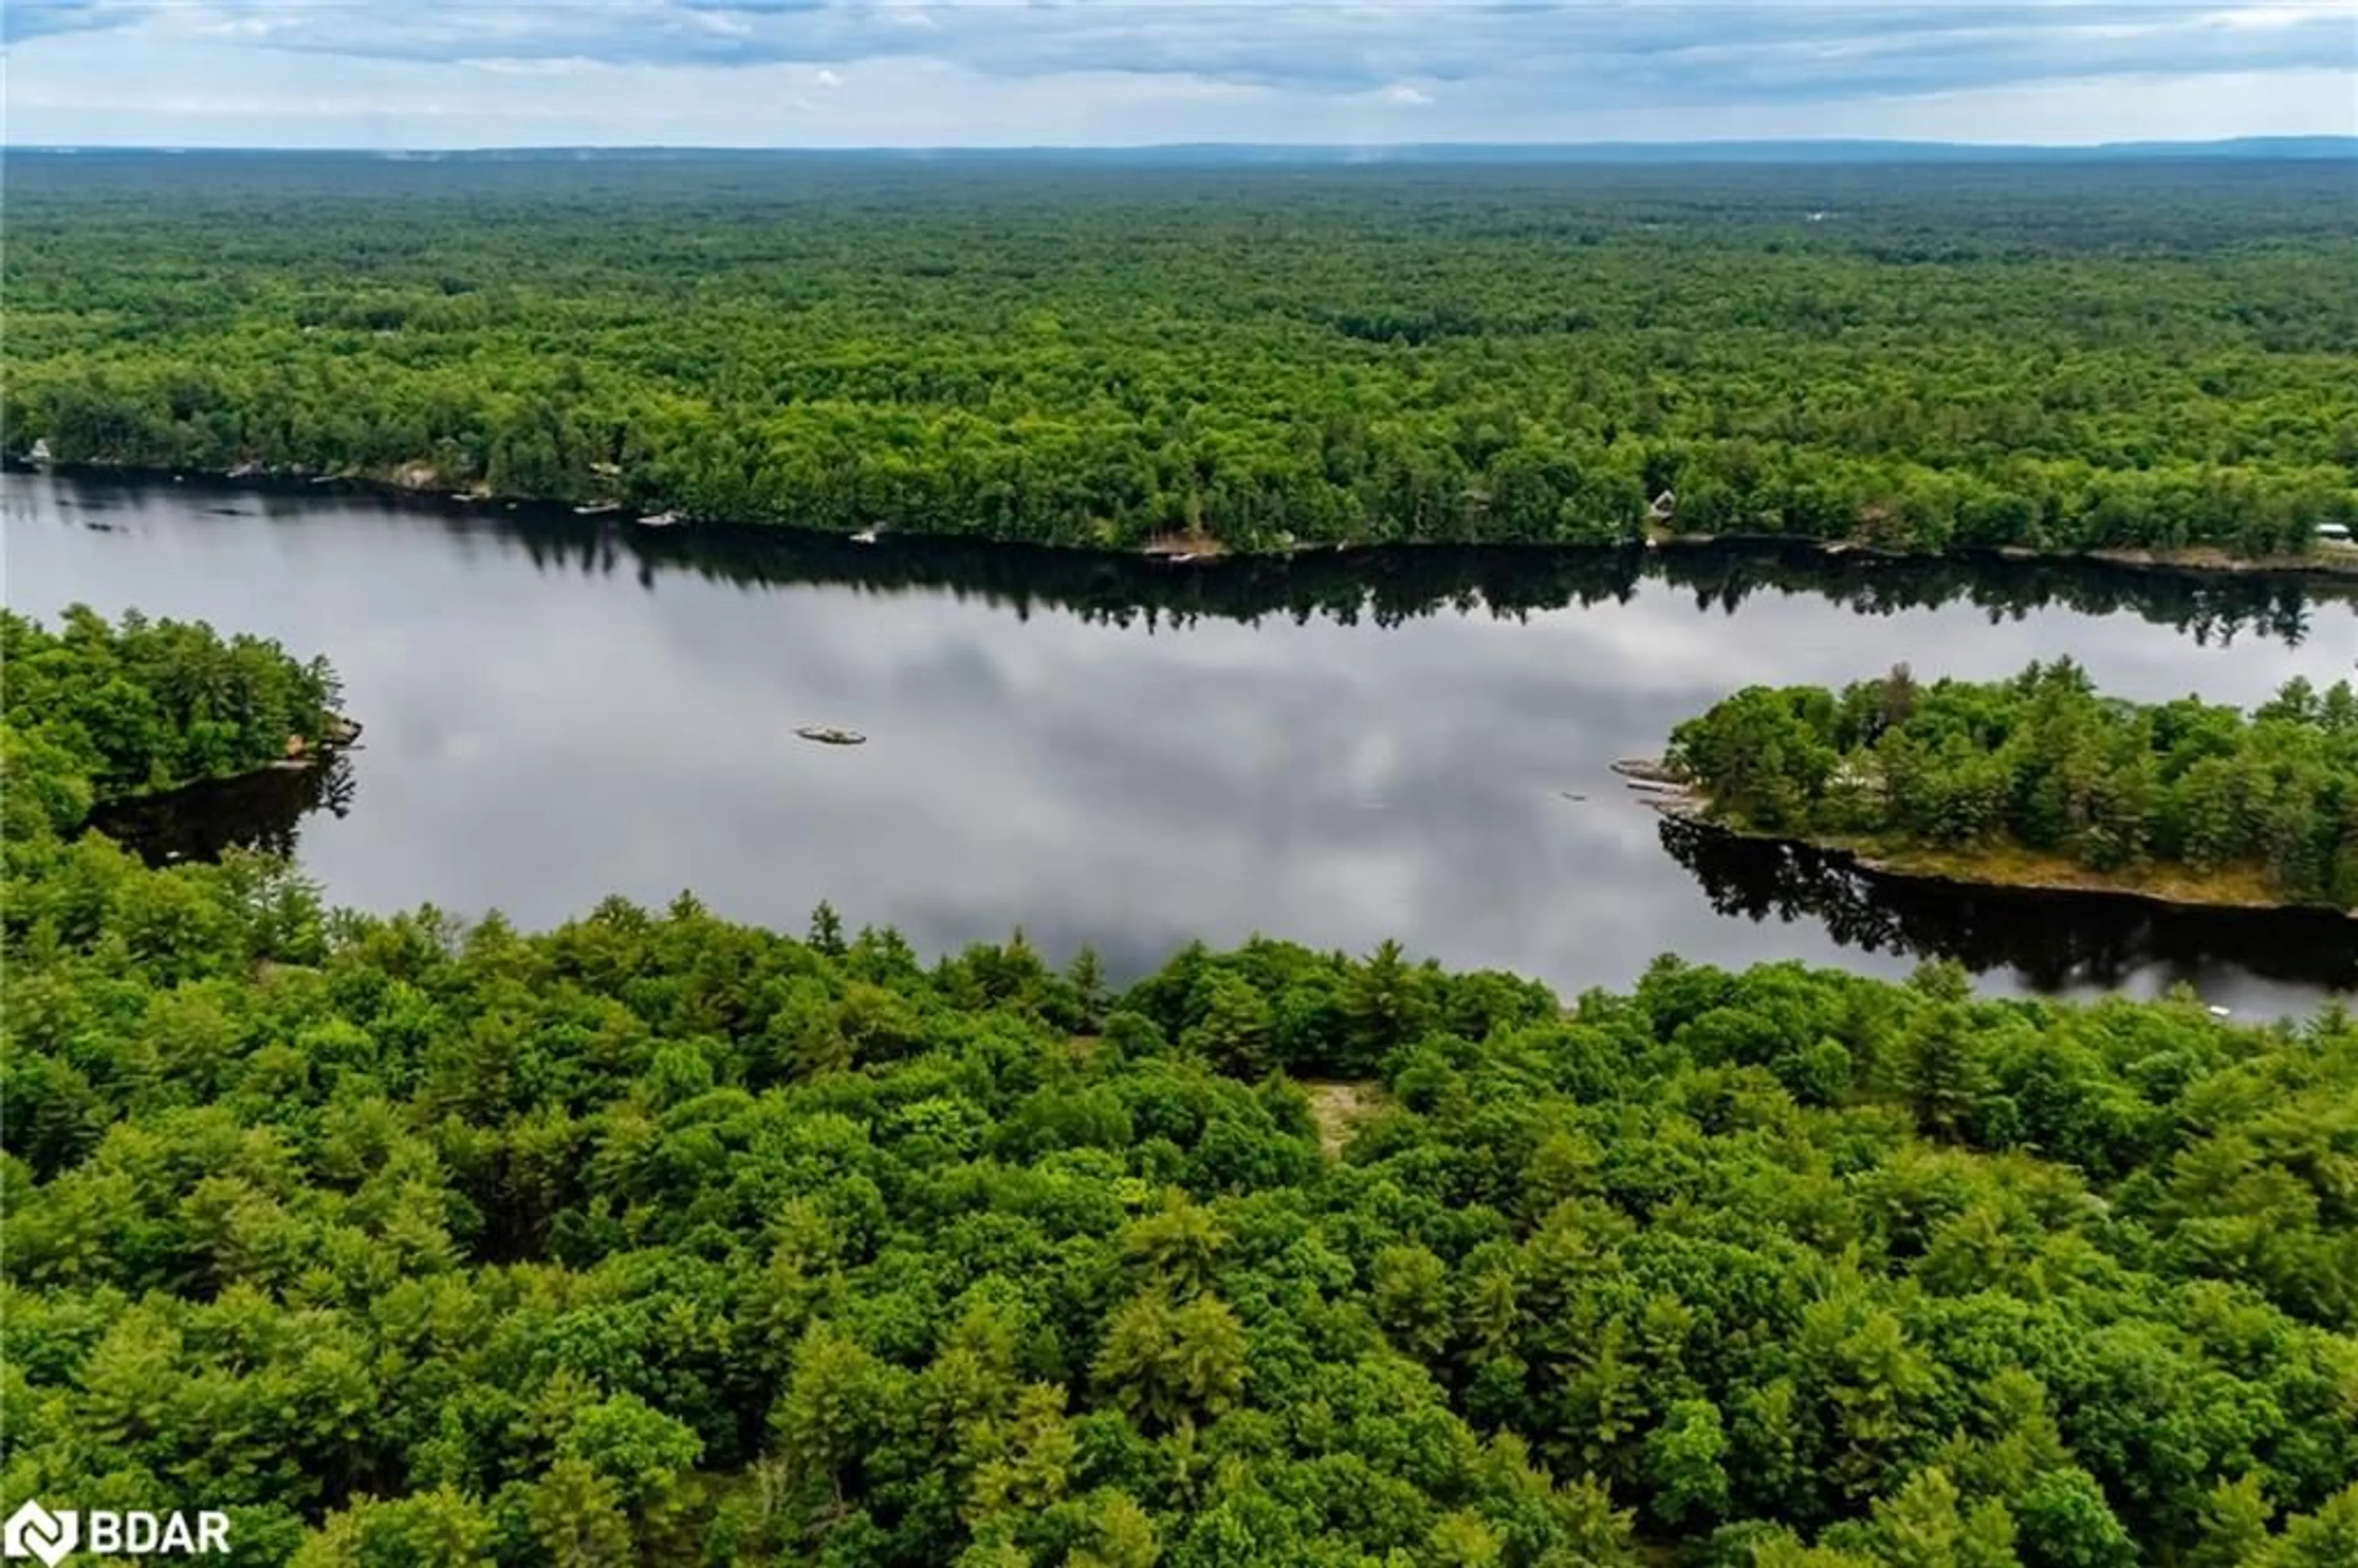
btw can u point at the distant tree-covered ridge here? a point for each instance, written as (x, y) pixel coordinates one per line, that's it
(661, 1240)
(2057, 359)
(2010, 780)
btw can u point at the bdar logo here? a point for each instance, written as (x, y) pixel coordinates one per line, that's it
(33, 1532)
(36, 1531)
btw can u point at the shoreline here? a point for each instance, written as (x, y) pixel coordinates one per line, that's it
(1939, 869)
(314, 755)
(2330, 562)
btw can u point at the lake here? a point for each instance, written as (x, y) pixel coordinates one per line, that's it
(1334, 748)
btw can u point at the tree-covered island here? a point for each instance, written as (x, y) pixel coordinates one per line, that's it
(2044, 781)
(99, 712)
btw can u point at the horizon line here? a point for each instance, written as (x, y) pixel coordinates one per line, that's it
(2347, 139)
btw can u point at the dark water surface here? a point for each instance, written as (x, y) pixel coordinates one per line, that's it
(1335, 749)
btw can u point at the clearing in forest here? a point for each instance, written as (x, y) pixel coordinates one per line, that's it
(1340, 1108)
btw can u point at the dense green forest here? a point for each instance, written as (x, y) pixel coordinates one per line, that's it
(657, 1238)
(2055, 357)
(101, 712)
(2188, 796)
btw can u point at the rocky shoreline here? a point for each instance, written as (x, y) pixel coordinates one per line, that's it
(1663, 789)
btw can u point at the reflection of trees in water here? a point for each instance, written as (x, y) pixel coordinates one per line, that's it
(1387, 586)
(259, 811)
(2049, 940)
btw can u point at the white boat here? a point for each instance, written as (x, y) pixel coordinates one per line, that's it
(662, 520)
(831, 735)
(865, 536)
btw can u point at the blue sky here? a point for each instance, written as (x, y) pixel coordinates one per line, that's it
(421, 73)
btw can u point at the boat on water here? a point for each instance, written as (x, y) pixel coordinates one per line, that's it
(597, 508)
(865, 536)
(662, 520)
(831, 735)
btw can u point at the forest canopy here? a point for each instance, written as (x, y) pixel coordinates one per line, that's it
(659, 1239)
(2052, 358)
(2046, 763)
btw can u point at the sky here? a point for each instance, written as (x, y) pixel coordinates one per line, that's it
(470, 73)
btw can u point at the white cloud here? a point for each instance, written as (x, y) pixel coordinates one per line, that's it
(572, 67)
(2288, 13)
(1004, 72)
